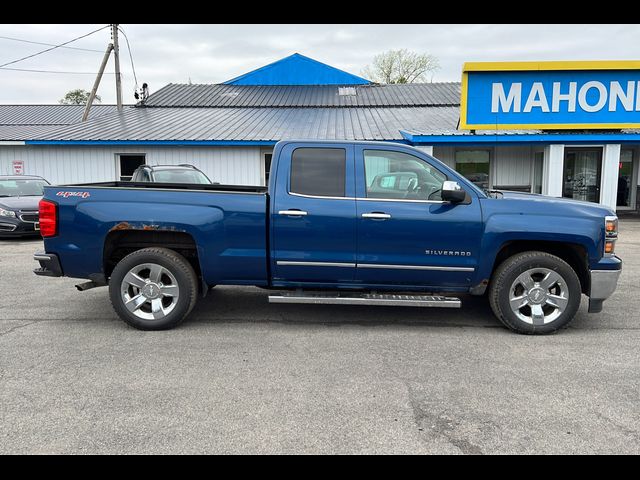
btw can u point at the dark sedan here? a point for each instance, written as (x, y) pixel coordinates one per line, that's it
(19, 198)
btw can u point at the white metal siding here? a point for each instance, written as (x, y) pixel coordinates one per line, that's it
(77, 164)
(512, 165)
(445, 154)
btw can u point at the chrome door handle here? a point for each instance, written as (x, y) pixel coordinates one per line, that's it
(292, 213)
(380, 216)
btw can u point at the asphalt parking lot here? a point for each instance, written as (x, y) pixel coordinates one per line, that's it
(244, 376)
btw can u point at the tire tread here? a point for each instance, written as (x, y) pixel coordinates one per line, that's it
(176, 260)
(498, 285)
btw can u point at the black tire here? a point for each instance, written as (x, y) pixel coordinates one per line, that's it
(507, 273)
(177, 265)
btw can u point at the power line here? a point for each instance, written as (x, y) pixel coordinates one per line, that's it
(130, 56)
(53, 71)
(49, 44)
(53, 48)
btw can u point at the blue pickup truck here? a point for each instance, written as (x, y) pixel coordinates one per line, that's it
(342, 223)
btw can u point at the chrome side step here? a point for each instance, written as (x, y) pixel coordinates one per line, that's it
(366, 299)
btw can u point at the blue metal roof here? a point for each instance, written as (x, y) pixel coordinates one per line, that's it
(370, 95)
(297, 69)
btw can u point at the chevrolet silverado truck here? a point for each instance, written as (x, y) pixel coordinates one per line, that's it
(364, 223)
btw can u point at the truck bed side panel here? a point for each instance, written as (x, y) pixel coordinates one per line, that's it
(229, 229)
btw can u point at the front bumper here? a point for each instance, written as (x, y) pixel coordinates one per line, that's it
(16, 227)
(603, 284)
(49, 265)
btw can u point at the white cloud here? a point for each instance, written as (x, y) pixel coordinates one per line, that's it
(215, 53)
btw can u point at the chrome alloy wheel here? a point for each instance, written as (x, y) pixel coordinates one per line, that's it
(149, 291)
(538, 296)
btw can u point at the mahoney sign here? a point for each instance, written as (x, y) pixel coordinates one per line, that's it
(550, 95)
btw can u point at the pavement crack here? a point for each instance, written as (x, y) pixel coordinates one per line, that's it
(11, 330)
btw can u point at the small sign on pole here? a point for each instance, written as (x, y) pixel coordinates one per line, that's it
(18, 167)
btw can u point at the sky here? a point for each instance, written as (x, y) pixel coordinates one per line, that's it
(165, 54)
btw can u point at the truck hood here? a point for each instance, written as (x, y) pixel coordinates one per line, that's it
(554, 204)
(20, 203)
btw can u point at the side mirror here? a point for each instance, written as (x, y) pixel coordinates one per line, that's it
(452, 192)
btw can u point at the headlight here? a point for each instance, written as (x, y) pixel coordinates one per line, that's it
(610, 234)
(7, 213)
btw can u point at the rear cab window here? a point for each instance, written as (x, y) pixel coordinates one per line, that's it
(318, 172)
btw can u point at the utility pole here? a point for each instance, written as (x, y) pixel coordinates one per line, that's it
(94, 90)
(116, 57)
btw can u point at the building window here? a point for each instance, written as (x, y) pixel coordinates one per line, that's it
(474, 165)
(538, 162)
(625, 183)
(127, 164)
(319, 171)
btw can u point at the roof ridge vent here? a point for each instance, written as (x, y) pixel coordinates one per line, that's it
(347, 91)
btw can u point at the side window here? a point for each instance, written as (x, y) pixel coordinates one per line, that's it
(319, 171)
(397, 175)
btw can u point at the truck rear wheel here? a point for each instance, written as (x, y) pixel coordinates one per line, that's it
(535, 293)
(153, 288)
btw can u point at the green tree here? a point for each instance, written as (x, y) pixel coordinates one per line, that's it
(401, 66)
(78, 97)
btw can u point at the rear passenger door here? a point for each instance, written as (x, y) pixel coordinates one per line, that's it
(313, 215)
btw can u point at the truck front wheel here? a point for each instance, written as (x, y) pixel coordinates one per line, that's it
(153, 288)
(534, 293)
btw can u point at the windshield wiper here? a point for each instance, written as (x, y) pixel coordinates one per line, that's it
(493, 193)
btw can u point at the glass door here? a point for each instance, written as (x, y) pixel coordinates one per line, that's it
(582, 173)
(626, 185)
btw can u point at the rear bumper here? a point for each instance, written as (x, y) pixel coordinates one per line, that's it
(603, 284)
(49, 265)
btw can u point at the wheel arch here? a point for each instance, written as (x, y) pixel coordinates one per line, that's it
(572, 253)
(120, 243)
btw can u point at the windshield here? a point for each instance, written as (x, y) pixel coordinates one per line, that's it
(22, 188)
(181, 176)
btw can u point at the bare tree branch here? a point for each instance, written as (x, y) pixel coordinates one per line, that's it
(401, 66)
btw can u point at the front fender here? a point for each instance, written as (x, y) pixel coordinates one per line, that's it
(501, 228)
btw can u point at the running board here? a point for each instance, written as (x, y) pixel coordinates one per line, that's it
(367, 299)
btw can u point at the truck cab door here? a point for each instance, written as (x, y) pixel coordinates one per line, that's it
(313, 216)
(407, 235)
